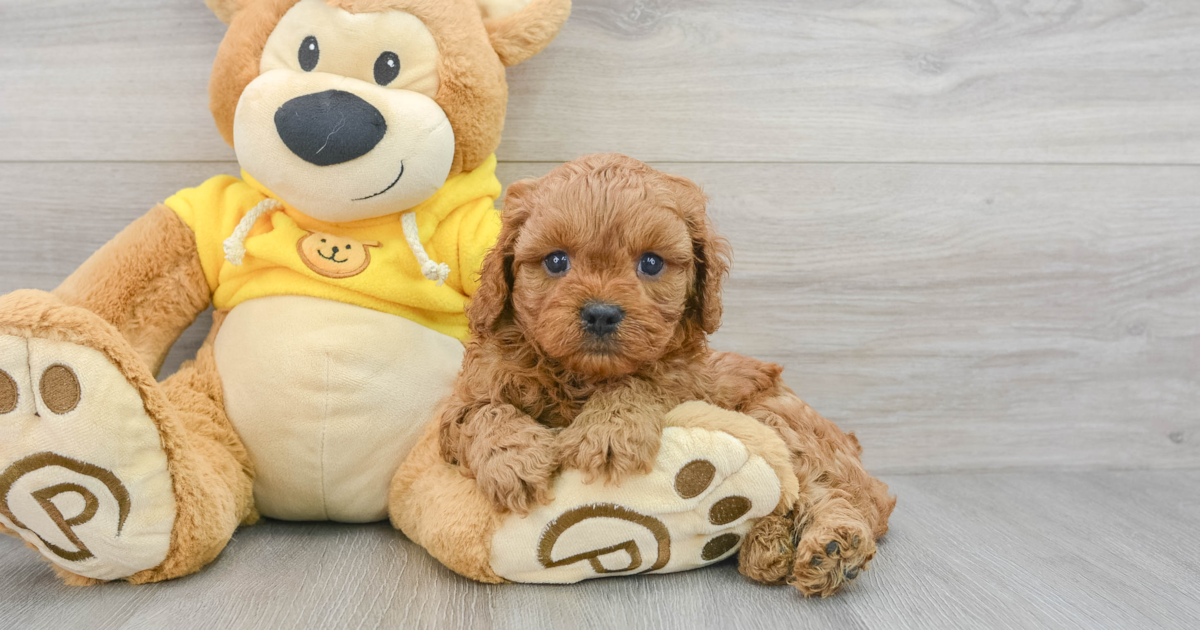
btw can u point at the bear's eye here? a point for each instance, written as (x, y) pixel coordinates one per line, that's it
(557, 264)
(387, 68)
(651, 264)
(347, 245)
(309, 53)
(322, 240)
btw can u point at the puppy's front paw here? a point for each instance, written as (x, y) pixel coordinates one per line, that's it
(516, 474)
(609, 449)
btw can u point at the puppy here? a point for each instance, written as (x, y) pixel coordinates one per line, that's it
(591, 322)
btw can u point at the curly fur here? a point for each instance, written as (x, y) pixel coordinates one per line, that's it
(538, 392)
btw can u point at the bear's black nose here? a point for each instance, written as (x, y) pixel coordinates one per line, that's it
(600, 318)
(329, 127)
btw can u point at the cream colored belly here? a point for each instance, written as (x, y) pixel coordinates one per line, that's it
(329, 398)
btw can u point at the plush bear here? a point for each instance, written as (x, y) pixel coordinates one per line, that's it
(338, 265)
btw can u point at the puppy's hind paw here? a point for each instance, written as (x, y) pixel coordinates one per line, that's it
(767, 553)
(828, 559)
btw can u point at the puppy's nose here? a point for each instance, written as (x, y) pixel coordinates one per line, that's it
(335, 249)
(329, 127)
(601, 318)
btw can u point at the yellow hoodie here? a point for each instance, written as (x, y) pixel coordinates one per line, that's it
(366, 263)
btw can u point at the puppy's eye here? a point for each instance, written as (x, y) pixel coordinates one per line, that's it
(309, 53)
(387, 68)
(557, 264)
(651, 265)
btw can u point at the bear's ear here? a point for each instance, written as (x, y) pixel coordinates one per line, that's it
(224, 9)
(520, 29)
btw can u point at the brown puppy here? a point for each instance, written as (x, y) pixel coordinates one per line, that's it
(592, 322)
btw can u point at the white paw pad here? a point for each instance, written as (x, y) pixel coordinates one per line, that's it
(693, 509)
(83, 476)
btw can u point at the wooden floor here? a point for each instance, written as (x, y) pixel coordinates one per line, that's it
(970, 230)
(1004, 550)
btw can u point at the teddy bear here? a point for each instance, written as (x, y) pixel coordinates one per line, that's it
(338, 265)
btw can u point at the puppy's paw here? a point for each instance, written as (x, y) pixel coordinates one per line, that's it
(767, 554)
(516, 475)
(829, 558)
(609, 449)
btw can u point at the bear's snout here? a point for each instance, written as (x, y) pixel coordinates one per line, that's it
(329, 127)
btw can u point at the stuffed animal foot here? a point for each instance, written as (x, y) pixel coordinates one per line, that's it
(83, 474)
(830, 556)
(715, 474)
(693, 508)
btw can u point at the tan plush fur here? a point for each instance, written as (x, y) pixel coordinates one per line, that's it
(516, 38)
(443, 511)
(473, 91)
(538, 391)
(133, 298)
(224, 9)
(211, 474)
(147, 281)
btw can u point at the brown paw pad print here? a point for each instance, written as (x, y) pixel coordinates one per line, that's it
(9, 394)
(83, 473)
(692, 480)
(60, 389)
(693, 509)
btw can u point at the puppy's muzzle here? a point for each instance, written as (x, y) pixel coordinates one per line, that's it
(601, 318)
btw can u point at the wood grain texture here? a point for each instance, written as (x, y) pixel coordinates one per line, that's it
(1113, 81)
(1008, 550)
(958, 317)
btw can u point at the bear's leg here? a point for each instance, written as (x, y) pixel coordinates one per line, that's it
(107, 473)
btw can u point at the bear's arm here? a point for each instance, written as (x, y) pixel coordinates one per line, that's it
(147, 281)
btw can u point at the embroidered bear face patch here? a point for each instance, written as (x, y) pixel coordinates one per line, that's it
(334, 256)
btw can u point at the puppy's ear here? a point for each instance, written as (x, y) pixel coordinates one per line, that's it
(711, 251)
(493, 298)
(520, 29)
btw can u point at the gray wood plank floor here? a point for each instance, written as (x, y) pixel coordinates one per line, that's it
(1003, 550)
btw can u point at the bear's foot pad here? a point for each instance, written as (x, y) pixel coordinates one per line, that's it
(693, 509)
(83, 474)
